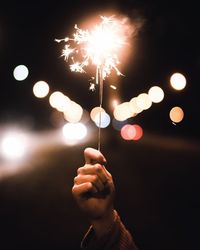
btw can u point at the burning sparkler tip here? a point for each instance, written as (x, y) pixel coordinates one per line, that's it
(99, 46)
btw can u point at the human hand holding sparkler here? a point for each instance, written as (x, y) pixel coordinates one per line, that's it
(94, 190)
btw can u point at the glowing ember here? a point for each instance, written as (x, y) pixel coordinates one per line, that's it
(99, 46)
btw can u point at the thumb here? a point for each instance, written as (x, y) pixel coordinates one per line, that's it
(93, 156)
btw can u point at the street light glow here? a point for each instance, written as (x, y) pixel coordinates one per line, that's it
(13, 145)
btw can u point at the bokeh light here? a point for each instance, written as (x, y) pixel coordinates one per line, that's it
(95, 111)
(176, 114)
(134, 107)
(143, 101)
(131, 132)
(156, 94)
(74, 132)
(138, 132)
(20, 72)
(102, 120)
(128, 132)
(40, 89)
(73, 113)
(122, 111)
(59, 101)
(13, 145)
(178, 81)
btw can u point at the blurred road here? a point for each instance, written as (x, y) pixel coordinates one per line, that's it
(157, 183)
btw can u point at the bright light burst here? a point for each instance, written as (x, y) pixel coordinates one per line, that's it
(99, 46)
(13, 145)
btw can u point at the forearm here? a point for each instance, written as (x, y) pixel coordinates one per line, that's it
(115, 237)
(103, 225)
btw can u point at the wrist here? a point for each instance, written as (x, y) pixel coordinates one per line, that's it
(105, 223)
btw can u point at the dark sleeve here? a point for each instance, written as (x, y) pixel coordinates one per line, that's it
(117, 238)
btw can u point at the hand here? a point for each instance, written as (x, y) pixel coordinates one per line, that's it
(93, 187)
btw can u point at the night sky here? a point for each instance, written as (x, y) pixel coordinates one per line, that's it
(157, 177)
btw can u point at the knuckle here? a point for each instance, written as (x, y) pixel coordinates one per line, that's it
(75, 179)
(74, 190)
(89, 185)
(79, 171)
(98, 168)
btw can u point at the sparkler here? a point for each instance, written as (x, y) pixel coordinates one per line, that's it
(100, 47)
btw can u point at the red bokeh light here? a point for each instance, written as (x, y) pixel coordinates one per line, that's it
(128, 132)
(131, 132)
(138, 132)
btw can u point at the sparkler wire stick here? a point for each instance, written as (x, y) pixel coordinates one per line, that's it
(100, 104)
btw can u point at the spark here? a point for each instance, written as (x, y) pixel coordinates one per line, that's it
(98, 46)
(77, 67)
(67, 51)
(113, 87)
(92, 86)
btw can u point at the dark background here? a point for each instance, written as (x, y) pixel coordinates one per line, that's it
(157, 177)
